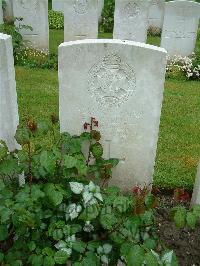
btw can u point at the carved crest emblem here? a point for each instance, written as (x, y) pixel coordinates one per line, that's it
(111, 81)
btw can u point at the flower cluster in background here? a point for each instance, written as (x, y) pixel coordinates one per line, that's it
(189, 66)
(33, 58)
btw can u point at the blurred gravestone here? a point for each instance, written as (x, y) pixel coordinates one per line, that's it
(34, 14)
(58, 5)
(100, 8)
(156, 14)
(131, 20)
(196, 192)
(8, 10)
(8, 105)
(120, 83)
(180, 27)
(81, 19)
(1, 12)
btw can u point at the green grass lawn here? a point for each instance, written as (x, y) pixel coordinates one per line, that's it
(179, 138)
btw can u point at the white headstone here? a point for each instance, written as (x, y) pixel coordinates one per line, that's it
(131, 20)
(100, 7)
(120, 83)
(34, 14)
(58, 5)
(81, 20)
(8, 98)
(1, 12)
(196, 192)
(180, 27)
(156, 13)
(8, 12)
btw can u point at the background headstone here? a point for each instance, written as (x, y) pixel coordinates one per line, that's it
(100, 8)
(34, 14)
(131, 20)
(81, 19)
(196, 192)
(8, 11)
(180, 27)
(58, 5)
(1, 12)
(8, 98)
(120, 83)
(156, 13)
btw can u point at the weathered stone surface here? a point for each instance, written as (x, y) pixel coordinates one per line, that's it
(8, 98)
(156, 13)
(8, 11)
(1, 12)
(131, 20)
(81, 19)
(34, 14)
(58, 5)
(196, 192)
(180, 27)
(120, 83)
(100, 8)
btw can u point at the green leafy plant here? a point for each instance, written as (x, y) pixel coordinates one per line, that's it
(56, 207)
(107, 21)
(11, 29)
(186, 218)
(56, 20)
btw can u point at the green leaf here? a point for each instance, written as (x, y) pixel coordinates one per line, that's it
(54, 196)
(36, 260)
(149, 201)
(3, 150)
(49, 261)
(90, 213)
(58, 234)
(113, 161)
(61, 257)
(132, 225)
(150, 243)
(150, 259)
(2, 185)
(1, 257)
(79, 246)
(97, 150)
(122, 204)
(90, 259)
(5, 214)
(108, 220)
(81, 167)
(22, 135)
(69, 161)
(43, 127)
(180, 217)
(3, 232)
(196, 210)
(31, 245)
(191, 220)
(47, 161)
(135, 256)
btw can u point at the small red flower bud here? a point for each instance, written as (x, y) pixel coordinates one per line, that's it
(137, 190)
(85, 126)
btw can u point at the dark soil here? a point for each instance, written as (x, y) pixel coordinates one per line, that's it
(185, 242)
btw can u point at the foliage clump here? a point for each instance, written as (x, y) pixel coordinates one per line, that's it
(56, 207)
(56, 20)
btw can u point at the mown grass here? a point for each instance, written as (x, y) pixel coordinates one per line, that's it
(179, 138)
